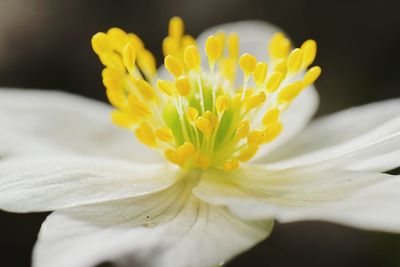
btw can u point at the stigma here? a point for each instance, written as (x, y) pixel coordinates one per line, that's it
(211, 114)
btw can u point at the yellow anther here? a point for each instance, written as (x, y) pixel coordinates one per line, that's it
(164, 134)
(272, 131)
(203, 161)
(216, 109)
(295, 60)
(192, 114)
(236, 102)
(170, 46)
(116, 97)
(182, 85)
(173, 65)
(233, 45)
(311, 75)
(146, 62)
(230, 165)
(205, 126)
(118, 38)
(309, 49)
(228, 68)
(188, 40)
(243, 130)
(122, 119)
(271, 116)
(166, 87)
(213, 48)
(101, 44)
(281, 66)
(211, 117)
(111, 82)
(260, 73)
(290, 92)
(222, 103)
(247, 63)
(191, 57)
(172, 156)
(138, 108)
(145, 134)
(255, 100)
(112, 60)
(274, 81)
(278, 46)
(135, 41)
(176, 27)
(112, 73)
(186, 151)
(221, 36)
(145, 89)
(255, 138)
(247, 153)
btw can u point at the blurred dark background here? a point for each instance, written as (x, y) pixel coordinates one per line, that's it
(46, 44)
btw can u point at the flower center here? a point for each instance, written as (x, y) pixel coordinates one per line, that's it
(215, 116)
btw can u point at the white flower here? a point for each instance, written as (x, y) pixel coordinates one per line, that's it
(115, 200)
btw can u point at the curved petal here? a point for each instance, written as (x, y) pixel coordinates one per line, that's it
(168, 229)
(360, 138)
(37, 122)
(44, 184)
(376, 207)
(361, 199)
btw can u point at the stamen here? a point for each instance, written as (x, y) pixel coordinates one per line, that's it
(173, 65)
(186, 150)
(213, 50)
(205, 126)
(129, 57)
(199, 118)
(312, 75)
(271, 116)
(183, 86)
(192, 57)
(164, 134)
(146, 135)
(192, 115)
(309, 49)
(165, 87)
(175, 29)
(274, 81)
(233, 45)
(260, 73)
(295, 60)
(247, 63)
(145, 89)
(222, 104)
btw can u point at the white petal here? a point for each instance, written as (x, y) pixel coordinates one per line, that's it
(44, 122)
(168, 229)
(52, 183)
(360, 138)
(362, 199)
(376, 207)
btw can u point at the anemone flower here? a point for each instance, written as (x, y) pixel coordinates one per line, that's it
(230, 152)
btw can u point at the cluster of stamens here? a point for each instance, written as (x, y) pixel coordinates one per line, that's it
(202, 117)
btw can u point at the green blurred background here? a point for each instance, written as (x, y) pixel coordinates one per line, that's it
(46, 44)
